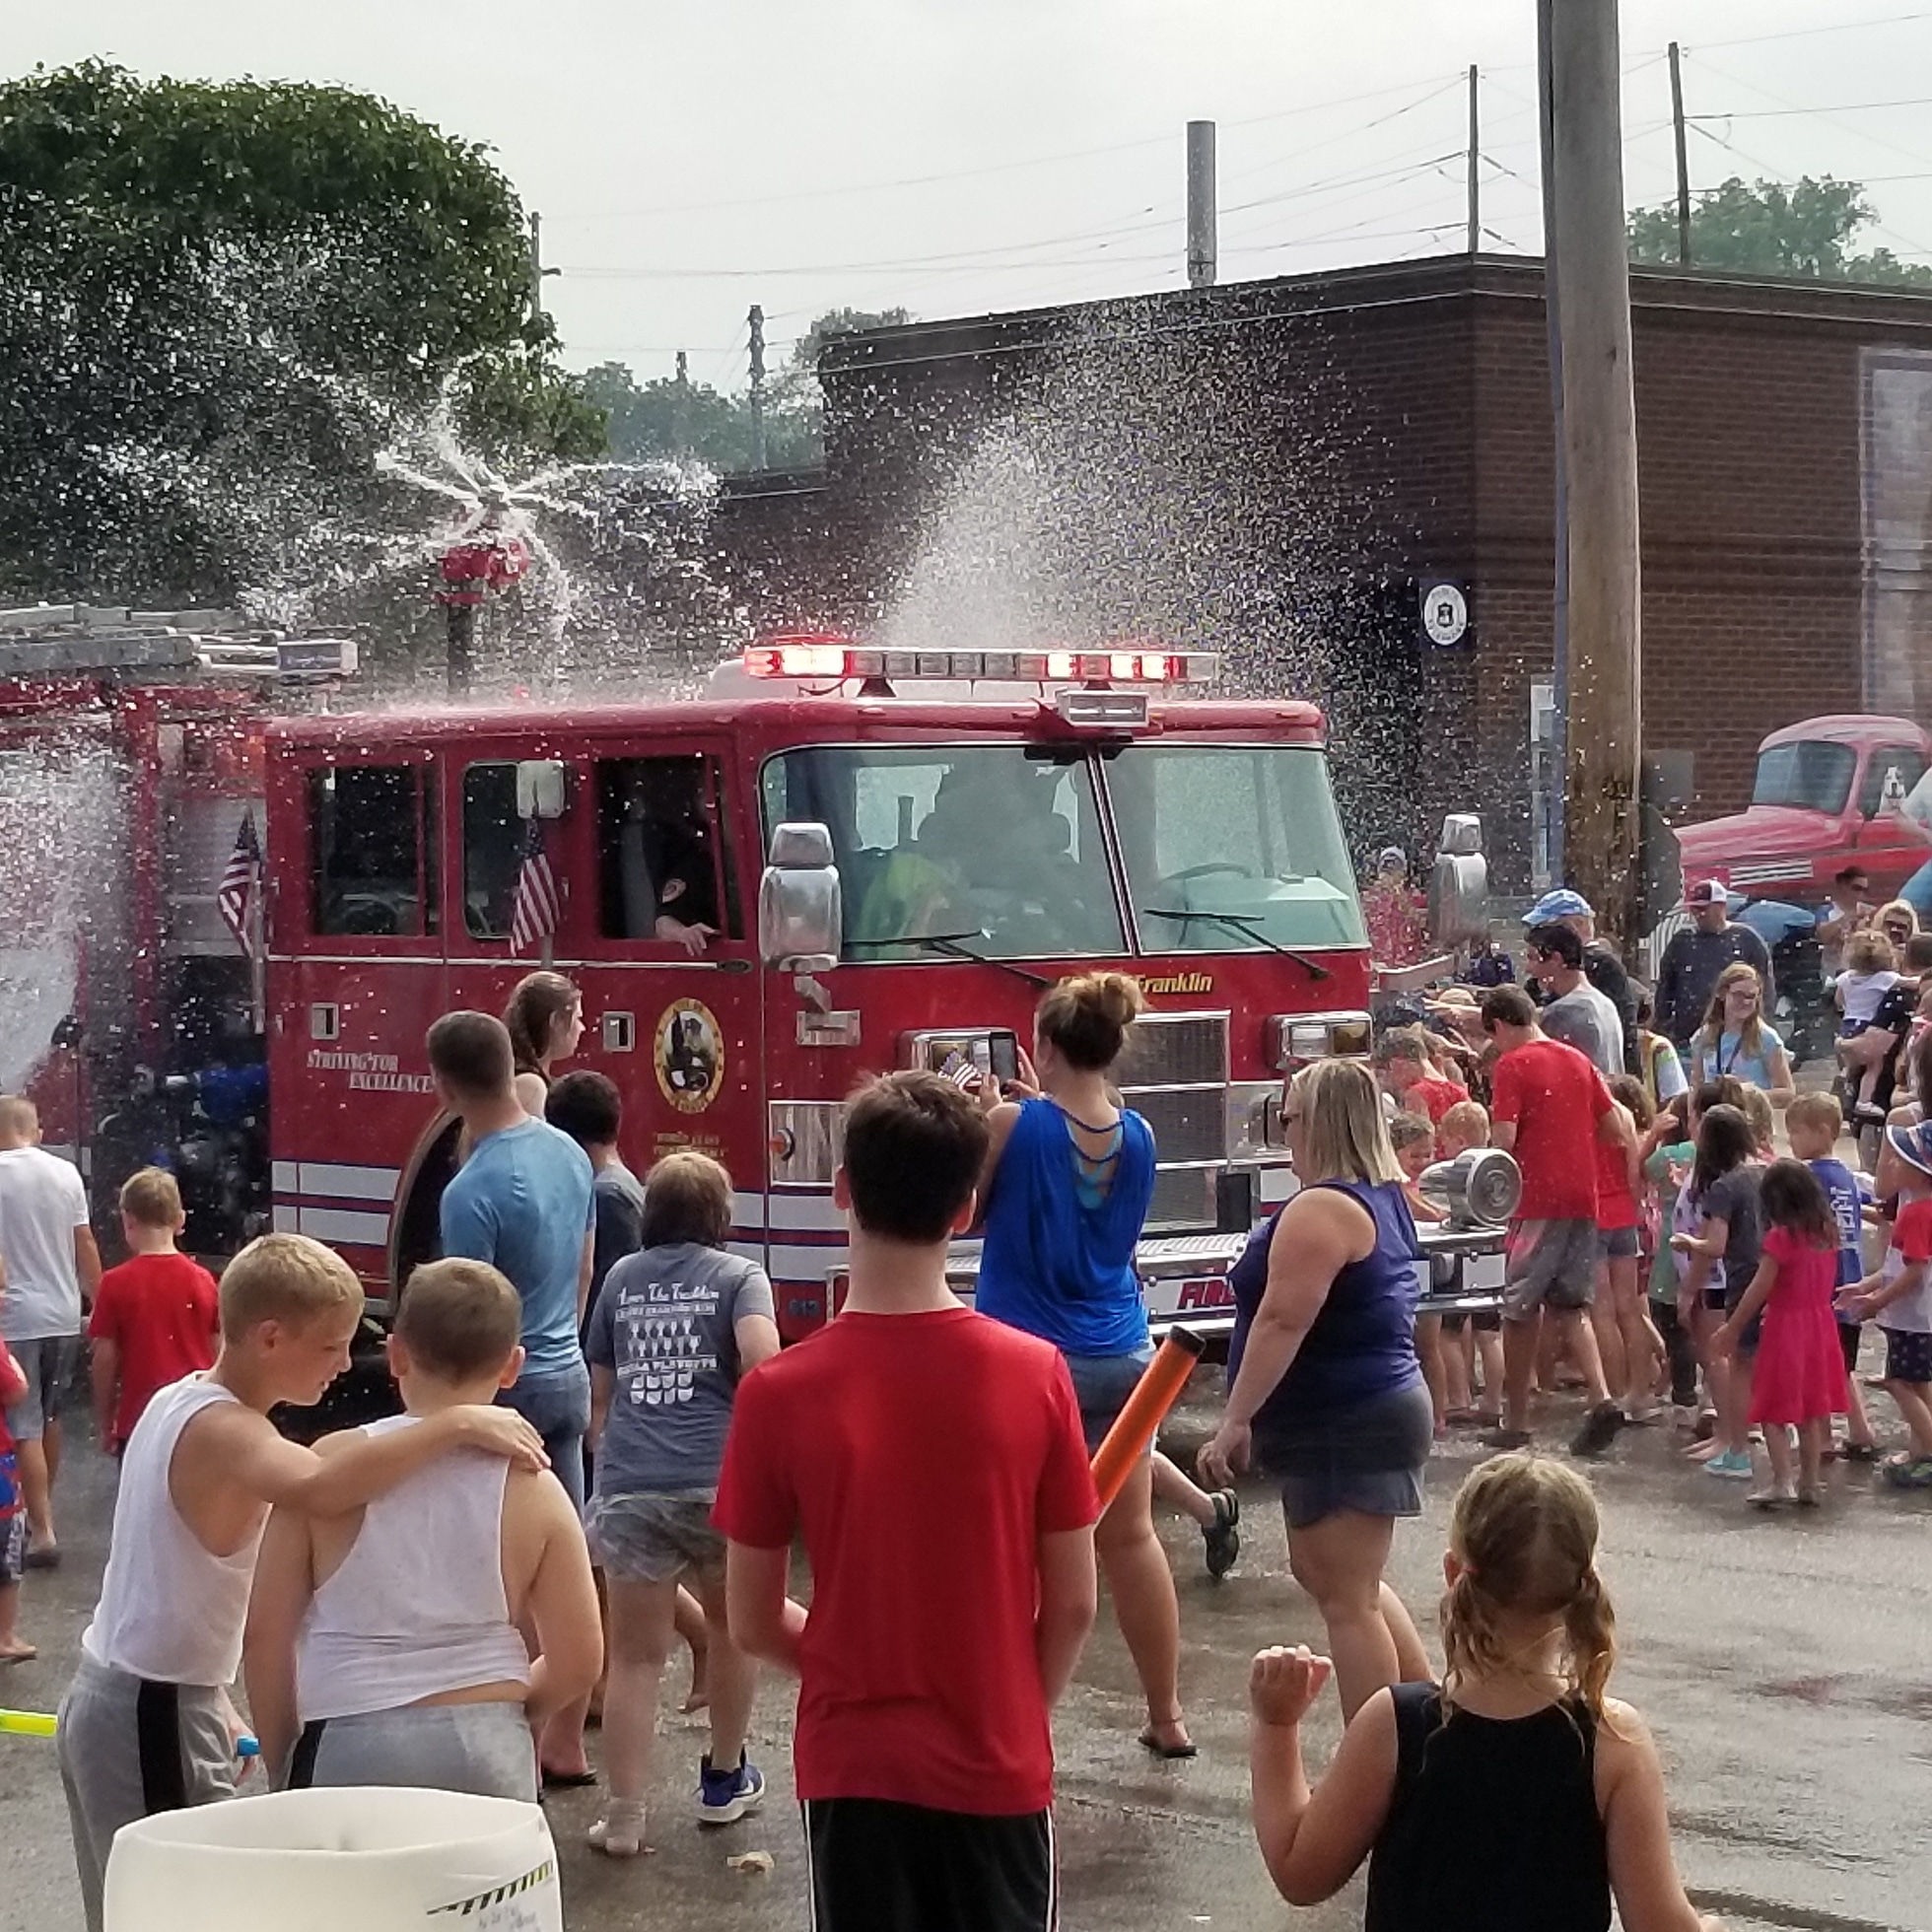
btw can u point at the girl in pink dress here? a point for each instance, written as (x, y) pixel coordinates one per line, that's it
(1799, 1380)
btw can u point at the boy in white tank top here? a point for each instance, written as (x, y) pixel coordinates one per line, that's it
(146, 1724)
(385, 1646)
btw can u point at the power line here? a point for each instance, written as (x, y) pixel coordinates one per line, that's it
(1803, 33)
(1778, 113)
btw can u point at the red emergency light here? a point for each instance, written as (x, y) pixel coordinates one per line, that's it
(832, 657)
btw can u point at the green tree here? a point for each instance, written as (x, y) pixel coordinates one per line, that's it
(215, 302)
(1807, 229)
(668, 420)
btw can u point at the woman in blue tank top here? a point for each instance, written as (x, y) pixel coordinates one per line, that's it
(1068, 1183)
(1325, 1388)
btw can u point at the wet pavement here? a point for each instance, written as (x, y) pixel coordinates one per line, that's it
(1785, 1664)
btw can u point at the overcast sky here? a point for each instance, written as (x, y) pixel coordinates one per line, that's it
(692, 156)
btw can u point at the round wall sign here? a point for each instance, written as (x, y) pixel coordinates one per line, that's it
(1445, 614)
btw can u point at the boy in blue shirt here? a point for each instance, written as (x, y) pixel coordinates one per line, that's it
(1813, 1122)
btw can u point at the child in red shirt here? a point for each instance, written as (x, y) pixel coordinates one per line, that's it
(13, 1519)
(156, 1317)
(933, 1462)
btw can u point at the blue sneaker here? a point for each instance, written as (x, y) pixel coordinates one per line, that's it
(724, 1797)
(1733, 1463)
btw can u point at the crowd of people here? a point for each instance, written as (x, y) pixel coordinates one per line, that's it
(602, 1450)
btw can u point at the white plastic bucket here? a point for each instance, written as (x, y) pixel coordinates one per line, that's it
(368, 1858)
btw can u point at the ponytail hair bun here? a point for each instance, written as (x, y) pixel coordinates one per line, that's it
(1086, 1017)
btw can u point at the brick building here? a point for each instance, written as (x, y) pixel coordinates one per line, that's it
(1344, 437)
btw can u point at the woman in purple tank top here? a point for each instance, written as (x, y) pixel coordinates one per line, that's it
(1325, 1391)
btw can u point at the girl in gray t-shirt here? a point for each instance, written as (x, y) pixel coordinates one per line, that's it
(675, 1327)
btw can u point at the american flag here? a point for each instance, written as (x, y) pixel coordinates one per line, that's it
(240, 886)
(533, 917)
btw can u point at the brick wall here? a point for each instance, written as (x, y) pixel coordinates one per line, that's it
(1416, 397)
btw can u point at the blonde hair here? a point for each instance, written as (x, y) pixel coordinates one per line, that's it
(1087, 1017)
(1761, 1116)
(1467, 1120)
(1816, 1110)
(1898, 909)
(285, 1277)
(19, 1117)
(460, 1319)
(1344, 1134)
(1524, 1530)
(1870, 953)
(151, 1197)
(1751, 1035)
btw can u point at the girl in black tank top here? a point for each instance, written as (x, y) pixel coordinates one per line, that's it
(1512, 1797)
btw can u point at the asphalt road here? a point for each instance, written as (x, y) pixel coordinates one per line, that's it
(1785, 1664)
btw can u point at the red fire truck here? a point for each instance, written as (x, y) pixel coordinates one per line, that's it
(896, 852)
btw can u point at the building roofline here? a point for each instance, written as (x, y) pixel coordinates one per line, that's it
(1375, 285)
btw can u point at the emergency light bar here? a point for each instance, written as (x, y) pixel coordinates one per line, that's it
(838, 659)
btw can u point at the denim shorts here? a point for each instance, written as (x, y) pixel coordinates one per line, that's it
(557, 1406)
(653, 1537)
(1102, 1385)
(1367, 1458)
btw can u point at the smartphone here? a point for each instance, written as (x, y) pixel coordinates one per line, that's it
(1003, 1052)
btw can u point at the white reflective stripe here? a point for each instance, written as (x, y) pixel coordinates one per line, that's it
(747, 1211)
(752, 1251)
(344, 1225)
(331, 1180)
(789, 1263)
(283, 1177)
(805, 1211)
(285, 1218)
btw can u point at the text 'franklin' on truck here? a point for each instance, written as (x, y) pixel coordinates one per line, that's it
(895, 852)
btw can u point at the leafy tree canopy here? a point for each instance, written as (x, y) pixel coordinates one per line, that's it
(1807, 229)
(217, 299)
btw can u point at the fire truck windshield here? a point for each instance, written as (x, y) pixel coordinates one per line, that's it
(998, 841)
(1233, 847)
(1227, 848)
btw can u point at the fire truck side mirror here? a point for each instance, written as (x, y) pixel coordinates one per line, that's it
(540, 792)
(800, 910)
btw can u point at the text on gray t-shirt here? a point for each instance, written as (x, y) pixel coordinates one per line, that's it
(664, 1324)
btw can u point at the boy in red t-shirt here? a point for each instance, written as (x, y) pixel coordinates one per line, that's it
(1549, 1108)
(933, 1464)
(13, 1519)
(1408, 1075)
(156, 1317)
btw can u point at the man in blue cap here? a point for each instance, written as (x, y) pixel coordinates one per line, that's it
(1601, 965)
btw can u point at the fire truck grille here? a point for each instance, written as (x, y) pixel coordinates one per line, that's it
(1188, 1122)
(1174, 1074)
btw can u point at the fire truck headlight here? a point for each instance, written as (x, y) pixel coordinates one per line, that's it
(1292, 1040)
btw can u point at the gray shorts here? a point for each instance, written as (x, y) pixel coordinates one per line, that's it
(50, 1363)
(129, 1749)
(485, 1748)
(1550, 1264)
(652, 1539)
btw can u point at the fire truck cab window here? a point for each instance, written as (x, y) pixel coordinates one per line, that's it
(988, 848)
(493, 849)
(658, 850)
(1233, 849)
(366, 847)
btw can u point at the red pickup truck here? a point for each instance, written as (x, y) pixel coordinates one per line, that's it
(1825, 798)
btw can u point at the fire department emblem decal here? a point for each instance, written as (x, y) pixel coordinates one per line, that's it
(690, 1056)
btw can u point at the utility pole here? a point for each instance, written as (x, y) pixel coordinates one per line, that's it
(681, 409)
(1604, 684)
(1474, 166)
(1203, 249)
(1553, 336)
(755, 322)
(537, 269)
(1683, 161)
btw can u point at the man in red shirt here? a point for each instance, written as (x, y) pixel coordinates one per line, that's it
(156, 1317)
(1548, 1108)
(933, 1464)
(1407, 1073)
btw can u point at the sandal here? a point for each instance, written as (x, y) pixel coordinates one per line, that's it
(1150, 1742)
(619, 1832)
(1222, 1540)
